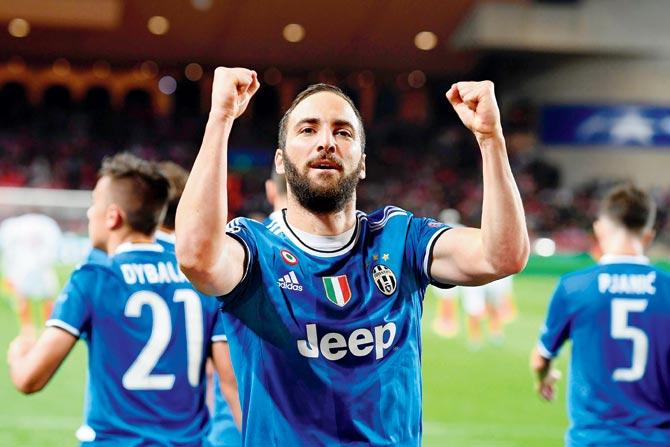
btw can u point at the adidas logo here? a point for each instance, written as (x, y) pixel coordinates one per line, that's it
(290, 282)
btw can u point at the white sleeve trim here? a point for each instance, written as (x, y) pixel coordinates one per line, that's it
(63, 325)
(544, 352)
(219, 338)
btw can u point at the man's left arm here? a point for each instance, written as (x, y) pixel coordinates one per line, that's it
(33, 363)
(224, 368)
(472, 256)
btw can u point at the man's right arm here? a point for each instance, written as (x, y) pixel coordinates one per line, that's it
(212, 260)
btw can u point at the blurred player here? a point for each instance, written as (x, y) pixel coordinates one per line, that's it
(617, 315)
(176, 176)
(486, 303)
(30, 245)
(275, 191)
(147, 330)
(226, 416)
(324, 311)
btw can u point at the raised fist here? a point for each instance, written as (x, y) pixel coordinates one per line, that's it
(231, 91)
(475, 103)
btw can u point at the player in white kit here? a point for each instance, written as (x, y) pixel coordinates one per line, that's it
(30, 245)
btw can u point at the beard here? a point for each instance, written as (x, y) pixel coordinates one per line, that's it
(321, 199)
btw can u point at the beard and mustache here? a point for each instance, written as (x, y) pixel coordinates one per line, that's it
(322, 199)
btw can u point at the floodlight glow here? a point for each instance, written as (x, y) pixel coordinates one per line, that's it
(61, 67)
(425, 40)
(193, 72)
(18, 27)
(149, 69)
(294, 32)
(416, 79)
(167, 85)
(158, 25)
(544, 247)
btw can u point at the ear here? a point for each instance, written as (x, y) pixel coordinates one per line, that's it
(114, 217)
(361, 175)
(279, 162)
(270, 191)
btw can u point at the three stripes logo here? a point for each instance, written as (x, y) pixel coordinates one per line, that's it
(384, 279)
(290, 282)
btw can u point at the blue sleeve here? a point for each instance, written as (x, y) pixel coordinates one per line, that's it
(72, 309)
(239, 230)
(556, 329)
(218, 331)
(422, 235)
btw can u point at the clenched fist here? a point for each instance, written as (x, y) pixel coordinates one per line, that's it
(475, 103)
(231, 91)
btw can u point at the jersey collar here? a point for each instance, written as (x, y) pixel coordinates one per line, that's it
(130, 246)
(165, 237)
(623, 259)
(323, 246)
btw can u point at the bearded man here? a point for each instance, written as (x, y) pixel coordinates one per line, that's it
(323, 306)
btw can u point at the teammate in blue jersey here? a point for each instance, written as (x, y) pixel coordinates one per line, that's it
(323, 310)
(225, 410)
(147, 330)
(275, 192)
(617, 315)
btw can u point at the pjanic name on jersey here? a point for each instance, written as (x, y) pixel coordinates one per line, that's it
(361, 342)
(627, 284)
(158, 273)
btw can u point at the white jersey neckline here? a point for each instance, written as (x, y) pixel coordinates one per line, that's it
(623, 259)
(323, 246)
(132, 246)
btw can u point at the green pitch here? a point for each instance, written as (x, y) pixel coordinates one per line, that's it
(471, 399)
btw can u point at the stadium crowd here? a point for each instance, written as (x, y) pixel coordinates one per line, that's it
(420, 154)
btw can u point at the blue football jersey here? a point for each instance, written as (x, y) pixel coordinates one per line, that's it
(165, 240)
(97, 256)
(325, 332)
(223, 431)
(148, 334)
(617, 315)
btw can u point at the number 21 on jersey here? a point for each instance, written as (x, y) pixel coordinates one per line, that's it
(138, 376)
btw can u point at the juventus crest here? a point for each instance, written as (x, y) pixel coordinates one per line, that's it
(384, 279)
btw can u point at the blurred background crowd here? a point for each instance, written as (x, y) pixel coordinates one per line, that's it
(62, 111)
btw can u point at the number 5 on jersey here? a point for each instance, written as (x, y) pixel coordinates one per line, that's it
(620, 330)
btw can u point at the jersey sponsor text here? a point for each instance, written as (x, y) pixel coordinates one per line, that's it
(361, 342)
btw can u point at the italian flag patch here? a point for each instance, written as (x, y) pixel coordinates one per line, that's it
(337, 289)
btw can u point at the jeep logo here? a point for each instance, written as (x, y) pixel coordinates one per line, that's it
(361, 342)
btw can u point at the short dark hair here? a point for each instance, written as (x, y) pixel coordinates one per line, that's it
(176, 176)
(309, 91)
(630, 207)
(139, 188)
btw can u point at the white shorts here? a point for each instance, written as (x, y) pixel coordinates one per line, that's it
(34, 284)
(476, 298)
